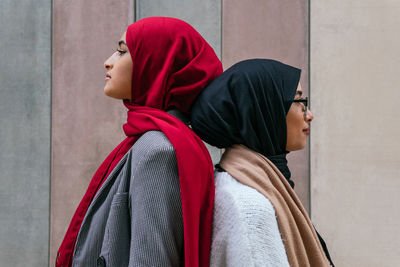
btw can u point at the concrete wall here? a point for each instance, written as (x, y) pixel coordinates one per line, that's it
(25, 52)
(355, 135)
(354, 63)
(86, 124)
(277, 30)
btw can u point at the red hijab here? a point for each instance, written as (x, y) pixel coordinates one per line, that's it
(172, 64)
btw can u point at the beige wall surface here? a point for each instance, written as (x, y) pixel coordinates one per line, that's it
(355, 162)
(277, 30)
(86, 125)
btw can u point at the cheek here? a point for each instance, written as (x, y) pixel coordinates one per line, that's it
(121, 83)
(292, 133)
(126, 76)
(296, 139)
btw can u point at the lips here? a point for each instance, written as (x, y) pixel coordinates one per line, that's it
(108, 77)
(306, 131)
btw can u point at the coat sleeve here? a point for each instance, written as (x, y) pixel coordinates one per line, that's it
(155, 206)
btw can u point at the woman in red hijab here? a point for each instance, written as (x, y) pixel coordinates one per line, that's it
(150, 203)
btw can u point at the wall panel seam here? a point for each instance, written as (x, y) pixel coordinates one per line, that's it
(309, 95)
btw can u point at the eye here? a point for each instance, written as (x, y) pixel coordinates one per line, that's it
(303, 102)
(121, 52)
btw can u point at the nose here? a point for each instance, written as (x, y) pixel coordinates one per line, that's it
(108, 64)
(309, 116)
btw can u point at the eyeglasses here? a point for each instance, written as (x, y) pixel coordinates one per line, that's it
(304, 107)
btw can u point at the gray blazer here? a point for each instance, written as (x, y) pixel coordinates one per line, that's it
(135, 219)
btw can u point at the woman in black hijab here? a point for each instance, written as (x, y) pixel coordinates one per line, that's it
(256, 111)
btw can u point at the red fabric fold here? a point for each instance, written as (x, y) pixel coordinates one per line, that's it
(172, 64)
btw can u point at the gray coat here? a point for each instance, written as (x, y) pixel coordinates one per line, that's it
(135, 219)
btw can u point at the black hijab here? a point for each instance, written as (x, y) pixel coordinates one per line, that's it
(247, 104)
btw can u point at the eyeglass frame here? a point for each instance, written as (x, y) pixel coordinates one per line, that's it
(304, 108)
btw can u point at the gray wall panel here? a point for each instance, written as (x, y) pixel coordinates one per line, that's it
(25, 79)
(204, 16)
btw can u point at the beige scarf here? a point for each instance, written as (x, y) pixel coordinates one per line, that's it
(298, 235)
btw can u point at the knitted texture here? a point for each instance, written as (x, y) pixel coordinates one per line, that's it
(245, 229)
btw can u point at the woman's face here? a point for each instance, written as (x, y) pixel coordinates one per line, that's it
(119, 72)
(298, 124)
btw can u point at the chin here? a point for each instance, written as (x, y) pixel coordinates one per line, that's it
(302, 145)
(109, 93)
(295, 147)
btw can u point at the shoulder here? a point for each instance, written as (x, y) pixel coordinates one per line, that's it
(152, 141)
(151, 146)
(242, 198)
(152, 157)
(240, 206)
(245, 226)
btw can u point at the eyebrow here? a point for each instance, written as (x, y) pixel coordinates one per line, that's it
(122, 42)
(299, 93)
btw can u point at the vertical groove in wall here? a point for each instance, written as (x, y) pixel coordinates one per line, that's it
(50, 128)
(132, 14)
(221, 151)
(309, 97)
(221, 32)
(136, 11)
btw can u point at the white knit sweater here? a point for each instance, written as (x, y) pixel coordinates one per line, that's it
(245, 229)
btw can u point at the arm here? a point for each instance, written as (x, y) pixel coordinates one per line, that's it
(155, 204)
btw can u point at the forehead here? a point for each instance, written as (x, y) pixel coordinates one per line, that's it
(299, 88)
(123, 37)
(299, 91)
